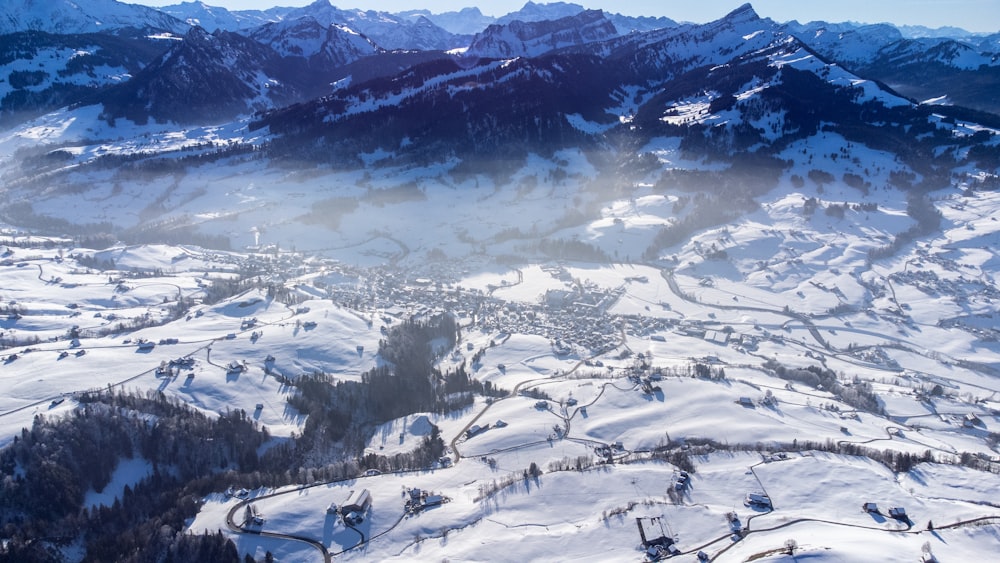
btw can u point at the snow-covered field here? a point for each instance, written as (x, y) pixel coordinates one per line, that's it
(603, 361)
(593, 401)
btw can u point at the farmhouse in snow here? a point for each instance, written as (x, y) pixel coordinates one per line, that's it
(359, 501)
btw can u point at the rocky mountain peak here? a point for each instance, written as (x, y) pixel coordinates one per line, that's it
(526, 39)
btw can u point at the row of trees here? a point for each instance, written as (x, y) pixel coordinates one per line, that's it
(575, 250)
(859, 394)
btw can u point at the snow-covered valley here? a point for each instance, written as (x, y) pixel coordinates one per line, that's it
(552, 291)
(635, 362)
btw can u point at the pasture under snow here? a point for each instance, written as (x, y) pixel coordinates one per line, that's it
(593, 353)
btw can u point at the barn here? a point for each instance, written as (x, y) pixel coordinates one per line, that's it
(358, 501)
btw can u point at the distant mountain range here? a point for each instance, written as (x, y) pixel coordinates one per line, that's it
(741, 87)
(311, 43)
(332, 84)
(68, 17)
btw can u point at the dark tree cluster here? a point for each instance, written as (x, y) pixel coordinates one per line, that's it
(678, 457)
(249, 278)
(331, 409)
(459, 382)
(928, 219)
(410, 383)
(706, 371)
(835, 210)
(809, 206)
(345, 411)
(46, 472)
(708, 211)
(575, 250)
(431, 448)
(859, 394)
(536, 393)
(899, 462)
(22, 213)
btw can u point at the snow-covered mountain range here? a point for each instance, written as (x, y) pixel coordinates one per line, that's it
(531, 39)
(922, 68)
(739, 90)
(68, 17)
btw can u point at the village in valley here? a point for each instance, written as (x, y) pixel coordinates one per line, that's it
(632, 411)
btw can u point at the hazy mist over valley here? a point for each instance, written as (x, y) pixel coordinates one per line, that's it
(312, 283)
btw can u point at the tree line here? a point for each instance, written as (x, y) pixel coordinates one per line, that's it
(859, 394)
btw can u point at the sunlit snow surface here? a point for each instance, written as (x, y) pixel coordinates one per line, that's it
(562, 513)
(793, 288)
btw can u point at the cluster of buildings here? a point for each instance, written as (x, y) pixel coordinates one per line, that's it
(574, 318)
(418, 500)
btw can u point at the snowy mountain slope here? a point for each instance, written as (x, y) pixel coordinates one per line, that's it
(45, 71)
(720, 89)
(298, 38)
(343, 46)
(864, 47)
(989, 43)
(939, 69)
(463, 23)
(550, 11)
(960, 71)
(947, 53)
(923, 70)
(535, 12)
(470, 21)
(306, 38)
(526, 39)
(629, 24)
(206, 78)
(467, 21)
(743, 68)
(65, 16)
(385, 29)
(225, 74)
(920, 31)
(679, 49)
(212, 18)
(852, 46)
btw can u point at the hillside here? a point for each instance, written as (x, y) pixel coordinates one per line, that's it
(322, 283)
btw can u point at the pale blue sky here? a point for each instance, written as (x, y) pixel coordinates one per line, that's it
(972, 15)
